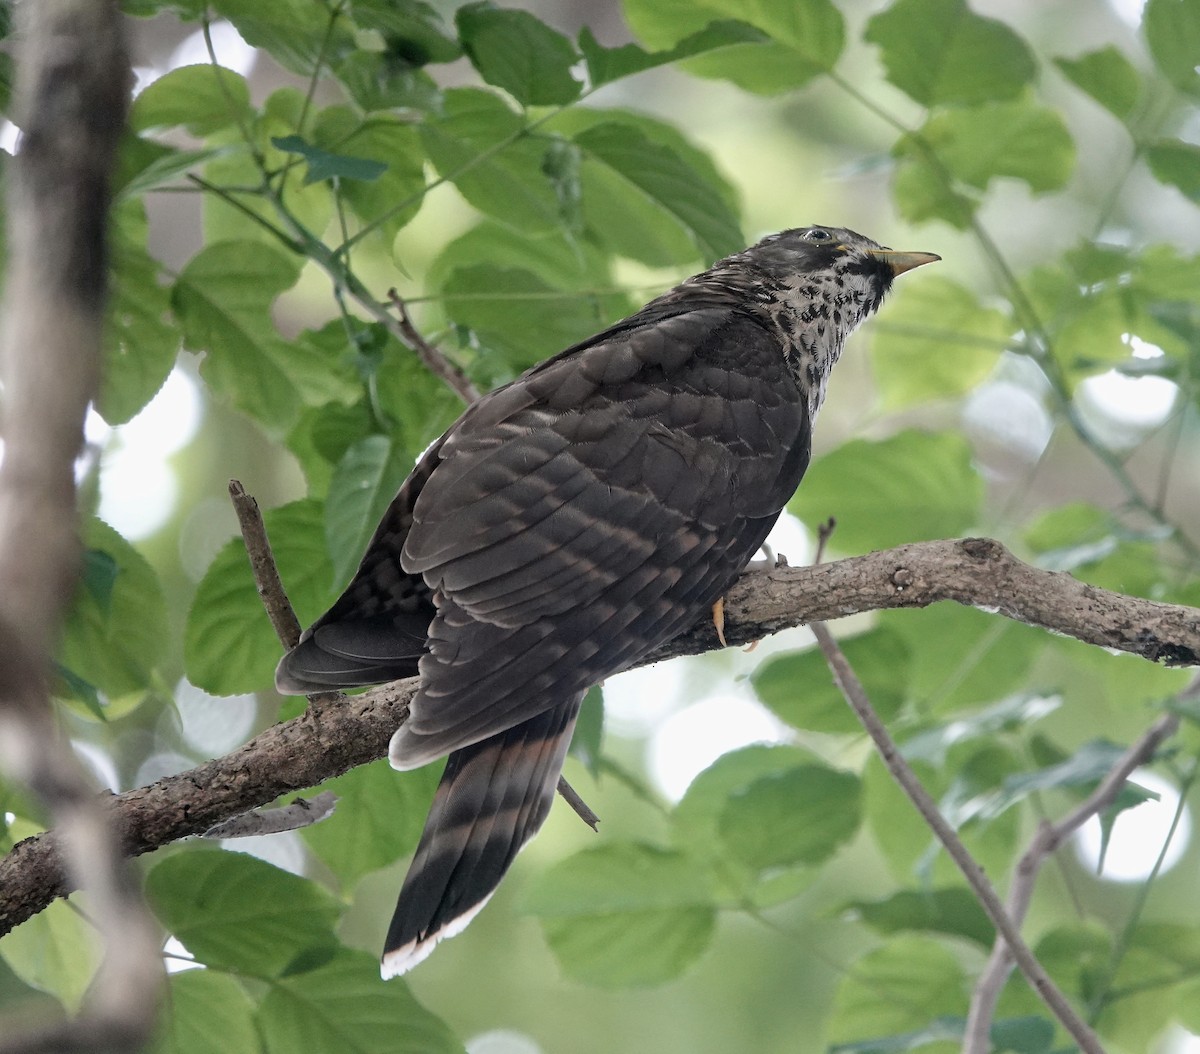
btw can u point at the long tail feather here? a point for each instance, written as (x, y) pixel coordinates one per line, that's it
(493, 797)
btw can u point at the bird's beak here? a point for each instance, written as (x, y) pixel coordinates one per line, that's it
(900, 262)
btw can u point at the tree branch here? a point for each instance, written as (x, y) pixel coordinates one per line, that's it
(326, 741)
(433, 358)
(72, 91)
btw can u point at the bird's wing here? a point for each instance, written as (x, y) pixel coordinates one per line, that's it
(592, 510)
(375, 632)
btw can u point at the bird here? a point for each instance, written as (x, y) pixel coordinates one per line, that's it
(569, 523)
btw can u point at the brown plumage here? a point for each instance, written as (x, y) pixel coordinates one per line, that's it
(569, 523)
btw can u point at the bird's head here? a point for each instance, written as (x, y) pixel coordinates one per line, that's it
(816, 284)
(835, 258)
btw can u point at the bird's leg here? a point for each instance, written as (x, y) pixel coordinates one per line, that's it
(718, 617)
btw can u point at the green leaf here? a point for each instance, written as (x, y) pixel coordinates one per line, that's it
(589, 732)
(646, 169)
(972, 769)
(515, 313)
(322, 436)
(209, 1013)
(924, 194)
(1077, 956)
(696, 819)
(807, 39)
(116, 645)
(73, 686)
(913, 486)
(324, 165)
(936, 342)
(413, 32)
(941, 53)
(801, 816)
(516, 51)
(609, 64)
(296, 33)
(698, 822)
(238, 913)
(1107, 76)
(553, 290)
(1177, 164)
(1172, 30)
(363, 486)
(100, 572)
(1076, 528)
(140, 341)
(324, 365)
(380, 815)
(1094, 335)
(419, 406)
(798, 688)
(1016, 140)
(237, 164)
(977, 657)
(1023, 1035)
(398, 192)
(1010, 715)
(379, 80)
(167, 167)
(903, 985)
(481, 146)
(1083, 769)
(624, 915)
(223, 298)
(229, 646)
(950, 910)
(202, 99)
(341, 1007)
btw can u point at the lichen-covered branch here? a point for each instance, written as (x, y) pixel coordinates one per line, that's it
(338, 735)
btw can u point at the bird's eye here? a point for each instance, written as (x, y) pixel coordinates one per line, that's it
(817, 234)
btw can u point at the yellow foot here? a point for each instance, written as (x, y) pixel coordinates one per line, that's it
(718, 617)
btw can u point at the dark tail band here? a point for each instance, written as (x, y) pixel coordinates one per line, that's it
(493, 797)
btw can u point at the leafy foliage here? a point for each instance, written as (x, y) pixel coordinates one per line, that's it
(520, 200)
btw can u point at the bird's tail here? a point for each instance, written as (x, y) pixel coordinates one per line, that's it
(493, 797)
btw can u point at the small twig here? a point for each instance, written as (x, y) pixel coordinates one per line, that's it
(854, 693)
(435, 361)
(302, 812)
(571, 796)
(1049, 837)
(262, 563)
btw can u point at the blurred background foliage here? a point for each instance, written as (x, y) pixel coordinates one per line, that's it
(521, 175)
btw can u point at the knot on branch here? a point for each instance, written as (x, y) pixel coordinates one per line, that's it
(983, 550)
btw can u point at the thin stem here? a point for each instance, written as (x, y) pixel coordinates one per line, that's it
(288, 243)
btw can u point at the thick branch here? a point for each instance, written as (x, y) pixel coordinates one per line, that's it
(327, 741)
